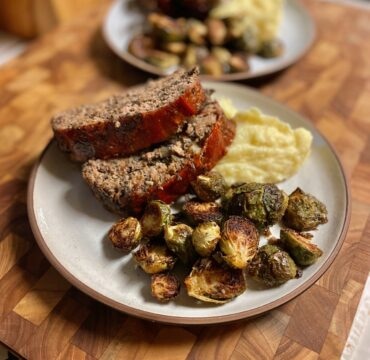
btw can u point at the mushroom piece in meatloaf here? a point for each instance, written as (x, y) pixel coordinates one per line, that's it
(125, 185)
(131, 121)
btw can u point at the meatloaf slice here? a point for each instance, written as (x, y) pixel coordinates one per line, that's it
(125, 185)
(131, 121)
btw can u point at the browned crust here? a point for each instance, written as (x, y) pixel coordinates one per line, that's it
(107, 139)
(214, 147)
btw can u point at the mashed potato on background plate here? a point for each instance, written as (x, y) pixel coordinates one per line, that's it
(265, 149)
(262, 16)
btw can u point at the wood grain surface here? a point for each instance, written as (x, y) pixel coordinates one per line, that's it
(44, 317)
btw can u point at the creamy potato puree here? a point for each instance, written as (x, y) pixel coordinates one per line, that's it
(262, 16)
(265, 149)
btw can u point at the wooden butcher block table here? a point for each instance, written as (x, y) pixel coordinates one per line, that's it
(43, 317)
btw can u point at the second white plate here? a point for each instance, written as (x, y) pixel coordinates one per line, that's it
(297, 31)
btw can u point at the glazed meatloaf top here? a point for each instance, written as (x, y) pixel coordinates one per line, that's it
(154, 95)
(118, 182)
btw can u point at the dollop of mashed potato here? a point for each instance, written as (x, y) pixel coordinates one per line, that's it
(265, 149)
(262, 16)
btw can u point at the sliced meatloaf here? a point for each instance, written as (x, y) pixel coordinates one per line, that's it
(124, 185)
(131, 121)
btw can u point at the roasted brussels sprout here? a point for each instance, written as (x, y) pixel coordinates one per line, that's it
(154, 258)
(209, 186)
(205, 238)
(162, 59)
(140, 45)
(214, 283)
(196, 32)
(264, 204)
(165, 28)
(198, 212)
(239, 241)
(304, 211)
(178, 240)
(299, 247)
(156, 216)
(238, 63)
(165, 286)
(271, 49)
(272, 266)
(211, 66)
(217, 31)
(126, 234)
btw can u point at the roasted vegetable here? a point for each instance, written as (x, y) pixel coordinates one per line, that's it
(178, 240)
(154, 258)
(217, 31)
(238, 63)
(126, 234)
(198, 212)
(299, 247)
(156, 216)
(166, 28)
(304, 211)
(214, 283)
(272, 266)
(239, 241)
(205, 238)
(140, 45)
(196, 32)
(209, 186)
(162, 59)
(210, 65)
(165, 286)
(271, 49)
(264, 204)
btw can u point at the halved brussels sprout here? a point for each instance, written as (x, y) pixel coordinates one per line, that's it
(214, 283)
(156, 216)
(178, 240)
(205, 238)
(198, 212)
(272, 266)
(165, 286)
(304, 211)
(239, 241)
(166, 28)
(209, 186)
(272, 48)
(154, 258)
(126, 234)
(299, 247)
(264, 204)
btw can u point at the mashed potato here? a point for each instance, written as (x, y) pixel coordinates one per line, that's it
(265, 149)
(262, 16)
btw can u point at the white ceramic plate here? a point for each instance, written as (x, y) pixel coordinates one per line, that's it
(70, 226)
(297, 32)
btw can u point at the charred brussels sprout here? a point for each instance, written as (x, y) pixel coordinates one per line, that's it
(209, 186)
(178, 240)
(154, 258)
(198, 212)
(272, 266)
(272, 48)
(205, 238)
(156, 216)
(165, 286)
(239, 241)
(214, 283)
(300, 248)
(166, 28)
(304, 211)
(126, 234)
(264, 204)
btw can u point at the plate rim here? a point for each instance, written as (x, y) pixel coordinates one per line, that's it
(245, 75)
(178, 320)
